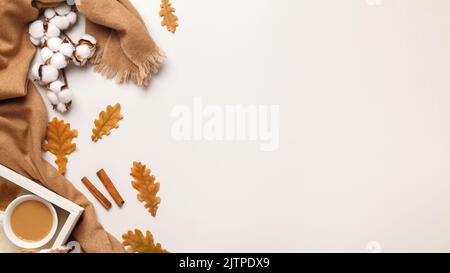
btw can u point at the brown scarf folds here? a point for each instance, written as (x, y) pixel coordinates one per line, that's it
(126, 52)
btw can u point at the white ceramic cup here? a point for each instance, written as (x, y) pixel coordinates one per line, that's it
(6, 217)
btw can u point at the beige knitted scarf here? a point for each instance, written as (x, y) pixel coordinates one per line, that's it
(126, 52)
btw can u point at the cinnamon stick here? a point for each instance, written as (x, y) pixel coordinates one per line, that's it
(96, 193)
(110, 187)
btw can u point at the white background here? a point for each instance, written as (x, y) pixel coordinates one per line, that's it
(364, 96)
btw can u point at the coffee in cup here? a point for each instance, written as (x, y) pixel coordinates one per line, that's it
(30, 222)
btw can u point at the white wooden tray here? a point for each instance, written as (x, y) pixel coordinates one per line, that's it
(68, 211)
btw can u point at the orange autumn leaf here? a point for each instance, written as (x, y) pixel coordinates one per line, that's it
(169, 18)
(136, 242)
(145, 183)
(107, 120)
(8, 192)
(59, 142)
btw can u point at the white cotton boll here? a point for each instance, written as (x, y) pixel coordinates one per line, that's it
(63, 9)
(49, 13)
(37, 29)
(58, 61)
(65, 96)
(54, 44)
(34, 41)
(46, 54)
(70, 2)
(61, 107)
(66, 49)
(64, 22)
(89, 38)
(72, 17)
(52, 97)
(35, 72)
(61, 22)
(52, 30)
(56, 21)
(49, 74)
(78, 63)
(56, 86)
(83, 51)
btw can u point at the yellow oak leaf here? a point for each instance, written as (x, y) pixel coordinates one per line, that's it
(59, 142)
(107, 120)
(145, 183)
(136, 242)
(169, 18)
(8, 192)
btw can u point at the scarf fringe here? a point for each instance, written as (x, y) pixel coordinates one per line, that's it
(141, 76)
